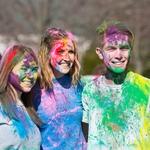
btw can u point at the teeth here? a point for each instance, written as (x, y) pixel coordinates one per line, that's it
(27, 83)
(116, 62)
(65, 64)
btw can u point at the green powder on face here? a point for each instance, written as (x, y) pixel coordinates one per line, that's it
(117, 70)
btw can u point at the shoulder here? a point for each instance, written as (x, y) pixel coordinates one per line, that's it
(138, 79)
(92, 84)
(3, 116)
(87, 79)
(140, 82)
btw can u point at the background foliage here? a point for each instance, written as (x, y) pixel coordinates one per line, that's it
(81, 17)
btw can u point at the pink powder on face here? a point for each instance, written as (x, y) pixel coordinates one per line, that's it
(56, 46)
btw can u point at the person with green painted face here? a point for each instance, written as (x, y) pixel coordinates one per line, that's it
(117, 103)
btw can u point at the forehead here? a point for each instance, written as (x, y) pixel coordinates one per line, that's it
(27, 61)
(116, 38)
(28, 58)
(64, 43)
(21, 64)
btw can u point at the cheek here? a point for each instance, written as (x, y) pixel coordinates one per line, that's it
(53, 62)
(72, 58)
(106, 57)
(55, 59)
(14, 80)
(35, 75)
(129, 53)
(126, 55)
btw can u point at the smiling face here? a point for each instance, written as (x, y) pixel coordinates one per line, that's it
(23, 76)
(62, 56)
(115, 52)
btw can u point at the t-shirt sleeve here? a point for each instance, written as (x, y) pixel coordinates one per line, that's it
(6, 132)
(148, 106)
(148, 92)
(85, 103)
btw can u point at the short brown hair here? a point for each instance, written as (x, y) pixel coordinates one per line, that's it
(113, 27)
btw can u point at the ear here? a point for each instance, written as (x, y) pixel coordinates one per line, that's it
(99, 53)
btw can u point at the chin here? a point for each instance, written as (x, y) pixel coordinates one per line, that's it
(65, 71)
(117, 70)
(26, 89)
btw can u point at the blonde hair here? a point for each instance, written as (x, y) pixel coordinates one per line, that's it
(8, 95)
(49, 37)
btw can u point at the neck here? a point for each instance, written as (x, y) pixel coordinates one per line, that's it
(63, 79)
(57, 74)
(115, 78)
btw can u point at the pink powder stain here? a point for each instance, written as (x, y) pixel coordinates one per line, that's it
(60, 131)
(54, 143)
(49, 103)
(56, 46)
(66, 112)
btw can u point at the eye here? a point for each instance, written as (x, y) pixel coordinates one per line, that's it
(60, 52)
(125, 48)
(23, 68)
(71, 52)
(110, 48)
(35, 69)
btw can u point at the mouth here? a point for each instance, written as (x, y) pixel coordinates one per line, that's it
(116, 62)
(65, 64)
(28, 83)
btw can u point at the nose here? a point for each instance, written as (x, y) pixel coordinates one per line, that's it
(29, 74)
(118, 54)
(66, 56)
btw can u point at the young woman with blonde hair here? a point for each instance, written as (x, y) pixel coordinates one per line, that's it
(57, 97)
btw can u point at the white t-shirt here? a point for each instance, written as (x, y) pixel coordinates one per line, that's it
(18, 135)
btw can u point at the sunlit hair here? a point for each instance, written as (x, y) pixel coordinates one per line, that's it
(48, 39)
(114, 27)
(8, 94)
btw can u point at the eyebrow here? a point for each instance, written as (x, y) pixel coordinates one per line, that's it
(125, 46)
(110, 46)
(71, 46)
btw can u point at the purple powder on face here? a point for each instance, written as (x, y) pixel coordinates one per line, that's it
(116, 37)
(14, 81)
(113, 34)
(28, 58)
